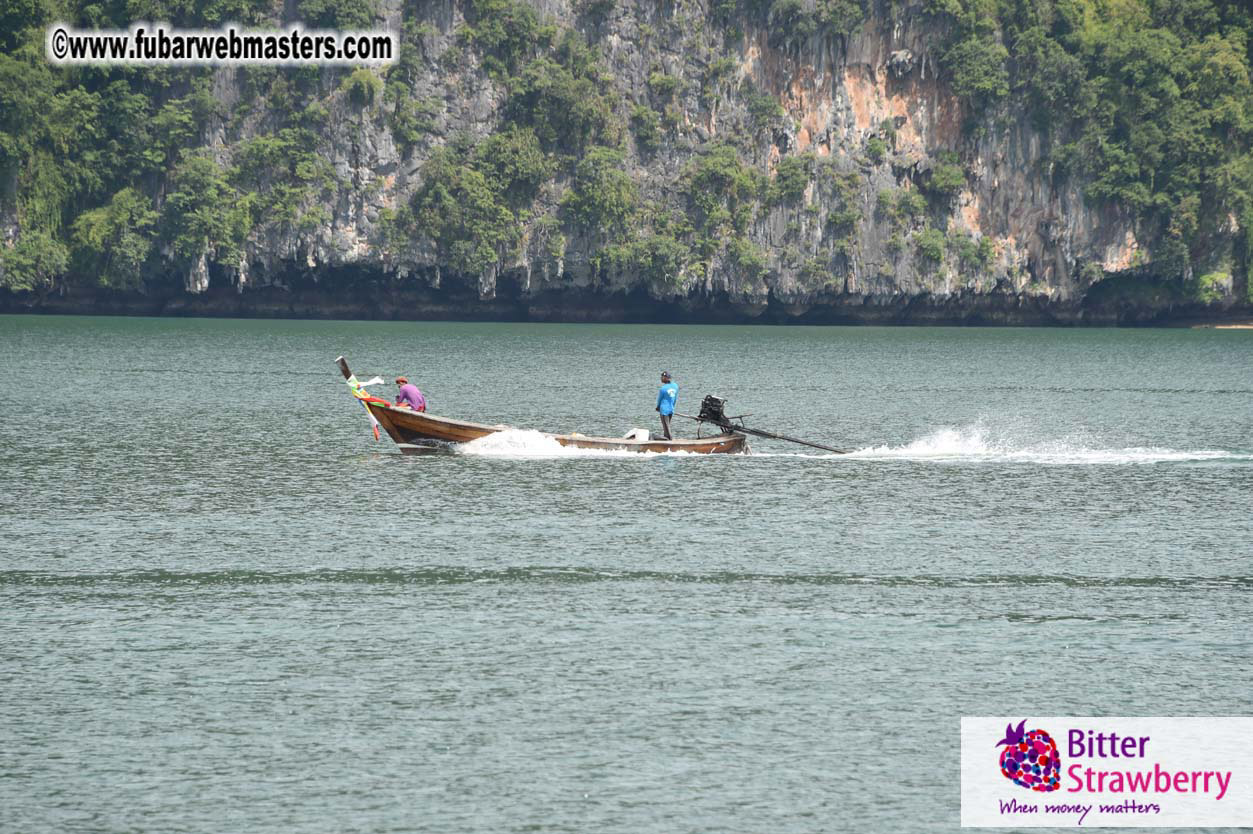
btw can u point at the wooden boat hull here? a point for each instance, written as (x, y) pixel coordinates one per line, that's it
(408, 427)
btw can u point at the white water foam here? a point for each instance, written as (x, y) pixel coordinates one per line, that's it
(527, 443)
(978, 444)
(515, 443)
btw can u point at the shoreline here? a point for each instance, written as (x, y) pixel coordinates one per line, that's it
(375, 303)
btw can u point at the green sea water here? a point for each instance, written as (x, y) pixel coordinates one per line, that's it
(225, 607)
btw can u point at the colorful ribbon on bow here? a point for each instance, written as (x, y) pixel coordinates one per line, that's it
(363, 396)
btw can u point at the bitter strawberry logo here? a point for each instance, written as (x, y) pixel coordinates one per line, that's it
(1030, 758)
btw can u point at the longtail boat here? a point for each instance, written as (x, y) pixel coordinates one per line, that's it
(413, 431)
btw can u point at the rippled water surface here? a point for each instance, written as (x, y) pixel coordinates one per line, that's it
(224, 607)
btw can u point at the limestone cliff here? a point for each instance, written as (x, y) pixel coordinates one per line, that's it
(861, 229)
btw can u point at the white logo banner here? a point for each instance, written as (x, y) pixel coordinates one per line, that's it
(1106, 772)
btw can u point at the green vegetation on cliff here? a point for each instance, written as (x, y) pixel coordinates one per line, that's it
(1148, 101)
(670, 169)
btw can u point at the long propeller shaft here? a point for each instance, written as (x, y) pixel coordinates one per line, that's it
(759, 433)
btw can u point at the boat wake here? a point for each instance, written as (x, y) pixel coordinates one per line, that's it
(978, 444)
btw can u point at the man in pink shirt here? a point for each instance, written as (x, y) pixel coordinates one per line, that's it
(409, 395)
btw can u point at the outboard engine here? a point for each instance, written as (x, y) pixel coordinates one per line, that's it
(712, 409)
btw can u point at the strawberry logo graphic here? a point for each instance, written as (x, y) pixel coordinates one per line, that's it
(1030, 759)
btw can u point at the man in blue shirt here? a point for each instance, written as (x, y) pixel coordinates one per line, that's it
(666, 398)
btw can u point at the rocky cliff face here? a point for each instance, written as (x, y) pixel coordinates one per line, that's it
(863, 222)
